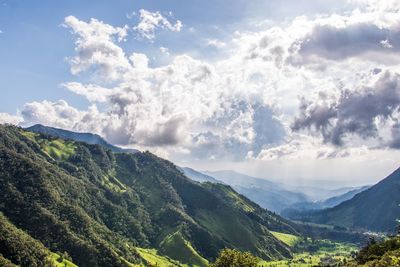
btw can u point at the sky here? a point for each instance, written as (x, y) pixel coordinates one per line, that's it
(296, 91)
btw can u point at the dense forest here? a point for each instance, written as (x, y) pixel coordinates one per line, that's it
(99, 206)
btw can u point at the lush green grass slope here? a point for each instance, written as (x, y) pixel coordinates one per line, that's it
(375, 209)
(60, 261)
(151, 256)
(288, 239)
(100, 206)
(176, 246)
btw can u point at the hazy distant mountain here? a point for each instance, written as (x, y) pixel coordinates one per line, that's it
(318, 192)
(198, 176)
(334, 201)
(376, 208)
(297, 209)
(267, 194)
(89, 138)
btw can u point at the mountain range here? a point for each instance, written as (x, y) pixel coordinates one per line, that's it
(271, 195)
(267, 194)
(105, 208)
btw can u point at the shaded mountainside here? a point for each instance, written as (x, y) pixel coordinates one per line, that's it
(376, 208)
(267, 194)
(17, 247)
(89, 138)
(100, 206)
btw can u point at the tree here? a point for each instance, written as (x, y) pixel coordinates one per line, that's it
(235, 258)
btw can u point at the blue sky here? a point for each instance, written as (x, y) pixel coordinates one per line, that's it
(33, 45)
(258, 86)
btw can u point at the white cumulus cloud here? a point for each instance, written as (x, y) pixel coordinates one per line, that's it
(309, 74)
(151, 21)
(6, 118)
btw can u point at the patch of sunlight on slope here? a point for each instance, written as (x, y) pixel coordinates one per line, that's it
(288, 239)
(30, 135)
(151, 256)
(236, 198)
(178, 248)
(57, 149)
(111, 182)
(58, 261)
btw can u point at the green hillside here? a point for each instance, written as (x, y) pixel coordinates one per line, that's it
(100, 207)
(176, 246)
(376, 208)
(288, 239)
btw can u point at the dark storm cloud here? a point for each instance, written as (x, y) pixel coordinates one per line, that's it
(338, 43)
(354, 112)
(395, 142)
(168, 133)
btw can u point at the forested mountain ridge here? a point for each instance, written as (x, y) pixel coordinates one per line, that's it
(89, 138)
(375, 209)
(99, 206)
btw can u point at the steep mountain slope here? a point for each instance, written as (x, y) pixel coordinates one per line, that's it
(265, 193)
(99, 206)
(18, 247)
(376, 208)
(89, 138)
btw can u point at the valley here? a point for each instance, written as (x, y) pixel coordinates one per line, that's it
(200, 133)
(83, 204)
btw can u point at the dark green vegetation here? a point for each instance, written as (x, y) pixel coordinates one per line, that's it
(100, 207)
(375, 209)
(379, 254)
(235, 258)
(19, 248)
